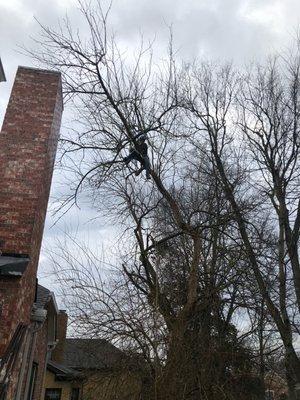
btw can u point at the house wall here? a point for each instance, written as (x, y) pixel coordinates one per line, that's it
(28, 142)
(40, 358)
(112, 386)
(98, 386)
(62, 324)
(65, 386)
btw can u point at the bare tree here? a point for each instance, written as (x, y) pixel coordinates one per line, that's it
(263, 145)
(207, 213)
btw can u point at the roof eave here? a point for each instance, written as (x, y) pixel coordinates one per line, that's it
(61, 373)
(52, 296)
(13, 265)
(2, 74)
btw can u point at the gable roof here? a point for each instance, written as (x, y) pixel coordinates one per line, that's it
(92, 354)
(43, 296)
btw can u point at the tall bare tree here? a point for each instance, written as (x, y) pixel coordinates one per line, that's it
(216, 214)
(253, 125)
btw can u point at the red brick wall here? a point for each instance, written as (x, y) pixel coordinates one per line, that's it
(62, 325)
(28, 144)
(27, 149)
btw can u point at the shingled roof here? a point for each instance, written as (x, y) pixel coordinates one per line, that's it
(43, 296)
(92, 354)
(62, 372)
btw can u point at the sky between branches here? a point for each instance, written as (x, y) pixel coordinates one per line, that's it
(241, 31)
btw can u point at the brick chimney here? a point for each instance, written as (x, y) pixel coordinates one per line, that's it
(27, 150)
(28, 142)
(62, 324)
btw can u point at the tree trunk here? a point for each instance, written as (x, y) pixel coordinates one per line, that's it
(179, 378)
(292, 363)
(193, 370)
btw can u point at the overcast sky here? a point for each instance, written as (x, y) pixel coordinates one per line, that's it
(237, 30)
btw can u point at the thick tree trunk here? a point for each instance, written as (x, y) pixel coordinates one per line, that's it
(179, 378)
(193, 371)
(292, 363)
(283, 326)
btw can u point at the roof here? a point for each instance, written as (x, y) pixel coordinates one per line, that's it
(13, 265)
(2, 74)
(40, 70)
(92, 354)
(43, 296)
(62, 372)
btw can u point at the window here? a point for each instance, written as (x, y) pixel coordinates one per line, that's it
(75, 394)
(32, 381)
(53, 394)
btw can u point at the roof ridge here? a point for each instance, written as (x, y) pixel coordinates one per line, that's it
(43, 287)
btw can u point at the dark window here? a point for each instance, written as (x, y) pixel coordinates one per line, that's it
(53, 394)
(75, 394)
(32, 381)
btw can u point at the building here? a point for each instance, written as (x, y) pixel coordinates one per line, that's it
(28, 142)
(61, 382)
(107, 373)
(37, 362)
(45, 342)
(91, 369)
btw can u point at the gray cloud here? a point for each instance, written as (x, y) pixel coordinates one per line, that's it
(221, 29)
(238, 30)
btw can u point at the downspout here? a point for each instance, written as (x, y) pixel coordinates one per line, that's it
(50, 348)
